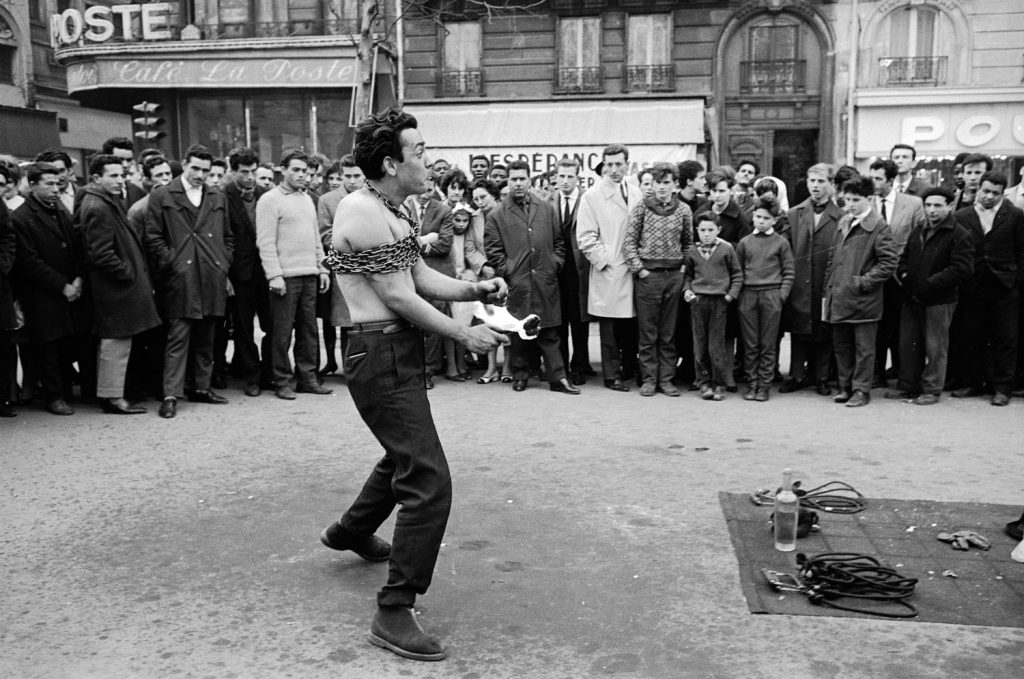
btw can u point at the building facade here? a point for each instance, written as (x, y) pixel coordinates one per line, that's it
(945, 76)
(225, 73)
(727, 80)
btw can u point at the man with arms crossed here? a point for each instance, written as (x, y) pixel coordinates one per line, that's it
(382, 275)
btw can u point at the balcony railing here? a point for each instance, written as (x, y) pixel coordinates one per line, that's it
(910, 71)
(782, 76)
(579, 80)
(279, 29)
(466, 83)
(651, 78)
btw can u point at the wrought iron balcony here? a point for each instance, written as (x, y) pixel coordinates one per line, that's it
(279, 29)
(588, 80)
(910, 71)
(466, 83)
(780, 76)
(651, 78)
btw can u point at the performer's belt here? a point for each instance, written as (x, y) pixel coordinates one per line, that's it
(383, 327)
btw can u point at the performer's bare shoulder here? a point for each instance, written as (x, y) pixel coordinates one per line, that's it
(362, 223)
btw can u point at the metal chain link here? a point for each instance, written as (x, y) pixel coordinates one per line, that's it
(384, 258)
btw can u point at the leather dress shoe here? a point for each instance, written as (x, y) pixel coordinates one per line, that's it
(1000, 399)
(119, 406)
(428, 381)
(842, 397)
(168, 408)
(370, 548)
(823, 389)
(966, 392)
(206, 396)
(793, 385)
(519, 385)
(7, 410)
(668, 389)
(564, 386)
(616, 385)
(899, 395)
(588, 371)
(859, 398)
(253, 390)
(60, 407)
(1015, 529)
(318, 389)
(286, 393)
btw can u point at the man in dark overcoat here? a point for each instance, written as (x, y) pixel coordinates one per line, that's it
(991, 298)
(119, 281)
(49, 284)
(8, 317)
(524, 244)
(812, 227)
(437, 230)
(188, 238)
(250, 362)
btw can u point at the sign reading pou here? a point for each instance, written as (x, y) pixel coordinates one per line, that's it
(100, 23)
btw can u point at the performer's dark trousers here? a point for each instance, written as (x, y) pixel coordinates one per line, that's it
(385, 377)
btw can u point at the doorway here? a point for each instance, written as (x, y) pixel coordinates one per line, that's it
(793, 151)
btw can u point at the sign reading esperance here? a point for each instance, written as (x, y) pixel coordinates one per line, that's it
(100, 23)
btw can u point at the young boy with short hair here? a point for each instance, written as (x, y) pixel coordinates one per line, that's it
(712, 280)
(767, 262)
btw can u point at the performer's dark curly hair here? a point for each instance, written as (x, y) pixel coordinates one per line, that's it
(378, 137)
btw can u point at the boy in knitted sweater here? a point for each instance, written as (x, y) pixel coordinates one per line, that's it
(712, 280)
(768, 273)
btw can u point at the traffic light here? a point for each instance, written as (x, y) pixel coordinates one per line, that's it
(148, 125)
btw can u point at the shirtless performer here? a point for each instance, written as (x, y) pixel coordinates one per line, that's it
(376, 252)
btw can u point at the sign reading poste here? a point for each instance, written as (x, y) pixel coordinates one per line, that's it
(133, 21)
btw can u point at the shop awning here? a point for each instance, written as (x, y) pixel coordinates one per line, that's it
(567, 123)
(24, 132)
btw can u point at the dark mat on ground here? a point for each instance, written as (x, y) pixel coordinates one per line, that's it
(988, 589)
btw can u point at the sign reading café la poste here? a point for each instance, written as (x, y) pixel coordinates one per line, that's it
(151, 22)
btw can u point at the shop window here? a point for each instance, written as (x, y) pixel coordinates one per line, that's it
(915, 35)
(579, 56)
(773, 63)
(462, 74)
(216, 122)
(649, 66)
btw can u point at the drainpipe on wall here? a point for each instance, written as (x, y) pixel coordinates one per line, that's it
(851, 93)
(400, 40)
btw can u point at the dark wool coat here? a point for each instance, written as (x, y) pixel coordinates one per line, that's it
(245, 261)
(8, 247)
(191, 249)
(123, 301)
(1002, 248)
(526, 248)
(811, 246)
(935, 262)
(436, 218)
(49, 257)
(734, 222)
(862, 258)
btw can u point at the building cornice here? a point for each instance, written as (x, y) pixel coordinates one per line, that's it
(904, 96)
(192, 46)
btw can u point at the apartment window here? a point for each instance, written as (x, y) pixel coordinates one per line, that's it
(915, 32)
(579, 56)
(461, 74)
(649, 65)
(773, 64)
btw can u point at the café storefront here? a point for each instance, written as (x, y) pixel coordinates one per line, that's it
(221, 88)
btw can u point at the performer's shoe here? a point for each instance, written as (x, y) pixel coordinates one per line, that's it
(396, 629)
(168, 408)
(370, 548)
(119, 406)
